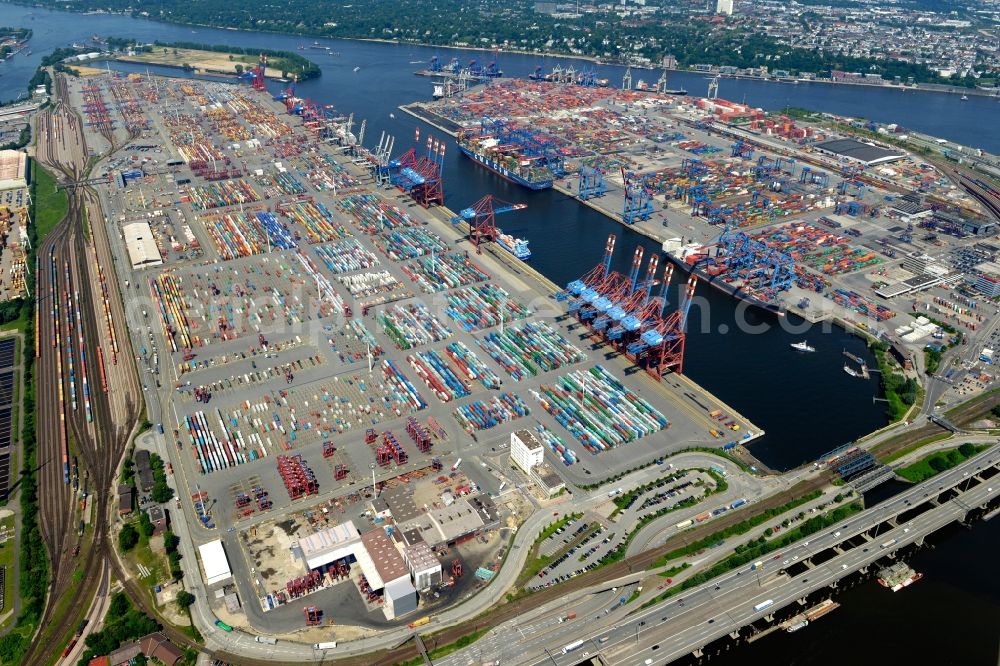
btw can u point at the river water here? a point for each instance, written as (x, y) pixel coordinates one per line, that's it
(805, 403)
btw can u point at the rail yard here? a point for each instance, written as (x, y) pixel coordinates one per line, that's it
(374, 417)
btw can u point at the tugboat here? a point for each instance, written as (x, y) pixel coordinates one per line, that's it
(802, 346)
(801, 624)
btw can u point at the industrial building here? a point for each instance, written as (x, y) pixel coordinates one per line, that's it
(214, 562)
(13, 170)
(986, 279)
(457, 522)
(385, 570)
(865, 153)
(142, 250)
(425, 568)
(724, 7)
(382, 566)
(525, 450)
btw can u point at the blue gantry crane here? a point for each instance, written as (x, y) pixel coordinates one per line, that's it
(638, 199)
(591, 184)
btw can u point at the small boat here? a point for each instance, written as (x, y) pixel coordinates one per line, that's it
(357, 69)
(851, 371)
(802, 346)
(801, 624)
(965, 98)
(392, 115)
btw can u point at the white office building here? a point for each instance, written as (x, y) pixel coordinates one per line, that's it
(525, 450)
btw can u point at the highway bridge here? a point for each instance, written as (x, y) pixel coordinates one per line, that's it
(724, 608)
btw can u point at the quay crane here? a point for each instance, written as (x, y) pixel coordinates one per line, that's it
(480, 216)
(421, 177)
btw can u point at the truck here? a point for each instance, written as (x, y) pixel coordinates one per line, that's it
(738, 503)
(329, 645)
(889, 543)
(764, 604)
(266, 639)
(572, 646)
(756, 565)
(419, 623)
(454, 467)
(684, 523)
(569, 616)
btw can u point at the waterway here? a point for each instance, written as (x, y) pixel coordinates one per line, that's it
(805, 402)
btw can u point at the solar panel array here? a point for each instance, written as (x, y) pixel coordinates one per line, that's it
(8, 346)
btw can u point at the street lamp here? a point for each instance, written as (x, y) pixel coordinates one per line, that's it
(374, 492)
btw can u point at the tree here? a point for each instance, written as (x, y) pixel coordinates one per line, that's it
(938, 463)
(184, 599)
(967, 449)
(239, 67)
(128, 538)
(146, 525)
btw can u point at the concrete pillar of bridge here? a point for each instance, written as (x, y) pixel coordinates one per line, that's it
(833, 584)
(808, 563)
(839, 550)
(769, 618)
(735, 635)
(920, 541)
(802, 601)
(698, 653)
(863, 569)
(934, 501)
(867, 537)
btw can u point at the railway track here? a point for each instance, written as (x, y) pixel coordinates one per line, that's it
(99, 442)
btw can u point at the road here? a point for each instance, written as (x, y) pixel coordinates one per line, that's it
(691, 620)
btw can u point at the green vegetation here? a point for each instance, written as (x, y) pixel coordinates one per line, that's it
(738, 528)
(938, 462)
(913, 447)
(33, 558)
(900, 391)
(122, 624)
(170, 543)
(23, 139)
(626, 500)
(445, 650)
(128, 538)
(161, 492)
(290, 64)
(537, 562)
(50, 205)
(673, 571)
(758, 548)
(932, 359)
(619, 552)
(184, 599)
(799, 113)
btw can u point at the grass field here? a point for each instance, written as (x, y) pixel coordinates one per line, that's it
(50, 205)
(205, 61)
(938, 462)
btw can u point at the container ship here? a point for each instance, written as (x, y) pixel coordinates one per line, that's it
(693, 258)
(898, 576)
(516, 246)
(507, 164)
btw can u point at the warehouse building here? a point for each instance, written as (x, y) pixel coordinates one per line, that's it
(13, 170)
(425, 568)
(460, 521)
(855, 151)
(330, 545)
(142, 250)
(386, 570)
(214, 562)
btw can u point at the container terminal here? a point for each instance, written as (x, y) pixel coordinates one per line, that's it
(347, 379)
(784, 214)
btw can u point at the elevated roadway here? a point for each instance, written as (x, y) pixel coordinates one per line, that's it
(689, 621)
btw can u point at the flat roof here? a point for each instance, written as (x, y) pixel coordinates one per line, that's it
(399, 499)
(214, 562)
(142, 250)
(13, 168)
(421, 557)
(861, 152)
(387, 560)
(330, 544)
